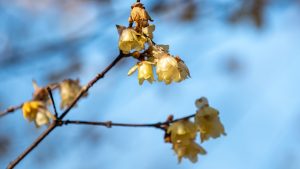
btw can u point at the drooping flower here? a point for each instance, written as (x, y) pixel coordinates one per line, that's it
(208, 121)
(183, 134)
(157, 51)
(145, 71)
(148, 31)
(139, 15)
(183, 69)
(40, 93)
(182, 130)
(37, 111)
(69, 89)
(167, 69)
(131, 40)
(190, 151)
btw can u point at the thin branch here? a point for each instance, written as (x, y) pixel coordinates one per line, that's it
(52, 101)
(55, 123)
(12, 164)
(91, 83)
(10, 110)
(110, 124)
(160, 125)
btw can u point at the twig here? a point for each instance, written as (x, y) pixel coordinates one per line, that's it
(109, 124)
(52, 101)
(55, 123)
(10, 110)
(32, 146)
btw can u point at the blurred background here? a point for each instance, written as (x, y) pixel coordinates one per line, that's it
(243, 55)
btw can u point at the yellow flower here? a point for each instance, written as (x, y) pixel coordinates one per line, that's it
(157, 51)
(183, 134)
(145, 71)
(167, 69)
(208, 121)
(148, 31)
(131, 40)
(189, 151)
(183, 69)
(69, 89)
(182, 130)
(139, 15)
(37, 111)
(40, 94)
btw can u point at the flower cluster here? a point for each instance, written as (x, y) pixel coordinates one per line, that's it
(183, 133)
(36, 110)
(138, 41)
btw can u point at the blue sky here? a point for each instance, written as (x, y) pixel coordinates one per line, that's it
(258, 103)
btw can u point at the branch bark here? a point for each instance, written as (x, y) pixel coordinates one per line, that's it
(160, 125)
(10, 110)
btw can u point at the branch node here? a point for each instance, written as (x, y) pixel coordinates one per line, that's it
(108, 124)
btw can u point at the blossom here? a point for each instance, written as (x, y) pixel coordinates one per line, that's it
(183, 69)
(40, 94)
(157, 51)
(145, 71)
(37, 111)
(131, 40)
(69, 89)
(148, 31)
(167, 69)
(183, 134)
(139, 15)
(208, 121)
(182, 130)
(190, 151)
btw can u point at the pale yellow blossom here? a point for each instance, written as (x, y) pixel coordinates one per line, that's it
(182, 130)
(208, 121)
(157, 51)
(131, 40)
(183, 134)
(183, 69)
(145, 71)
(167, 69)
(69, 89)
(148, 31)
(189, 151)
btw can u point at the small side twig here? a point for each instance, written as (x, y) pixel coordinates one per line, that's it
(10, 110)
(52, 101)
(160, 125)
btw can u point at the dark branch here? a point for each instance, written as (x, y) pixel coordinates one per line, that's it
(10, 110)
(91, 83)
(52, 101)
(32, 146)
(160, 125)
